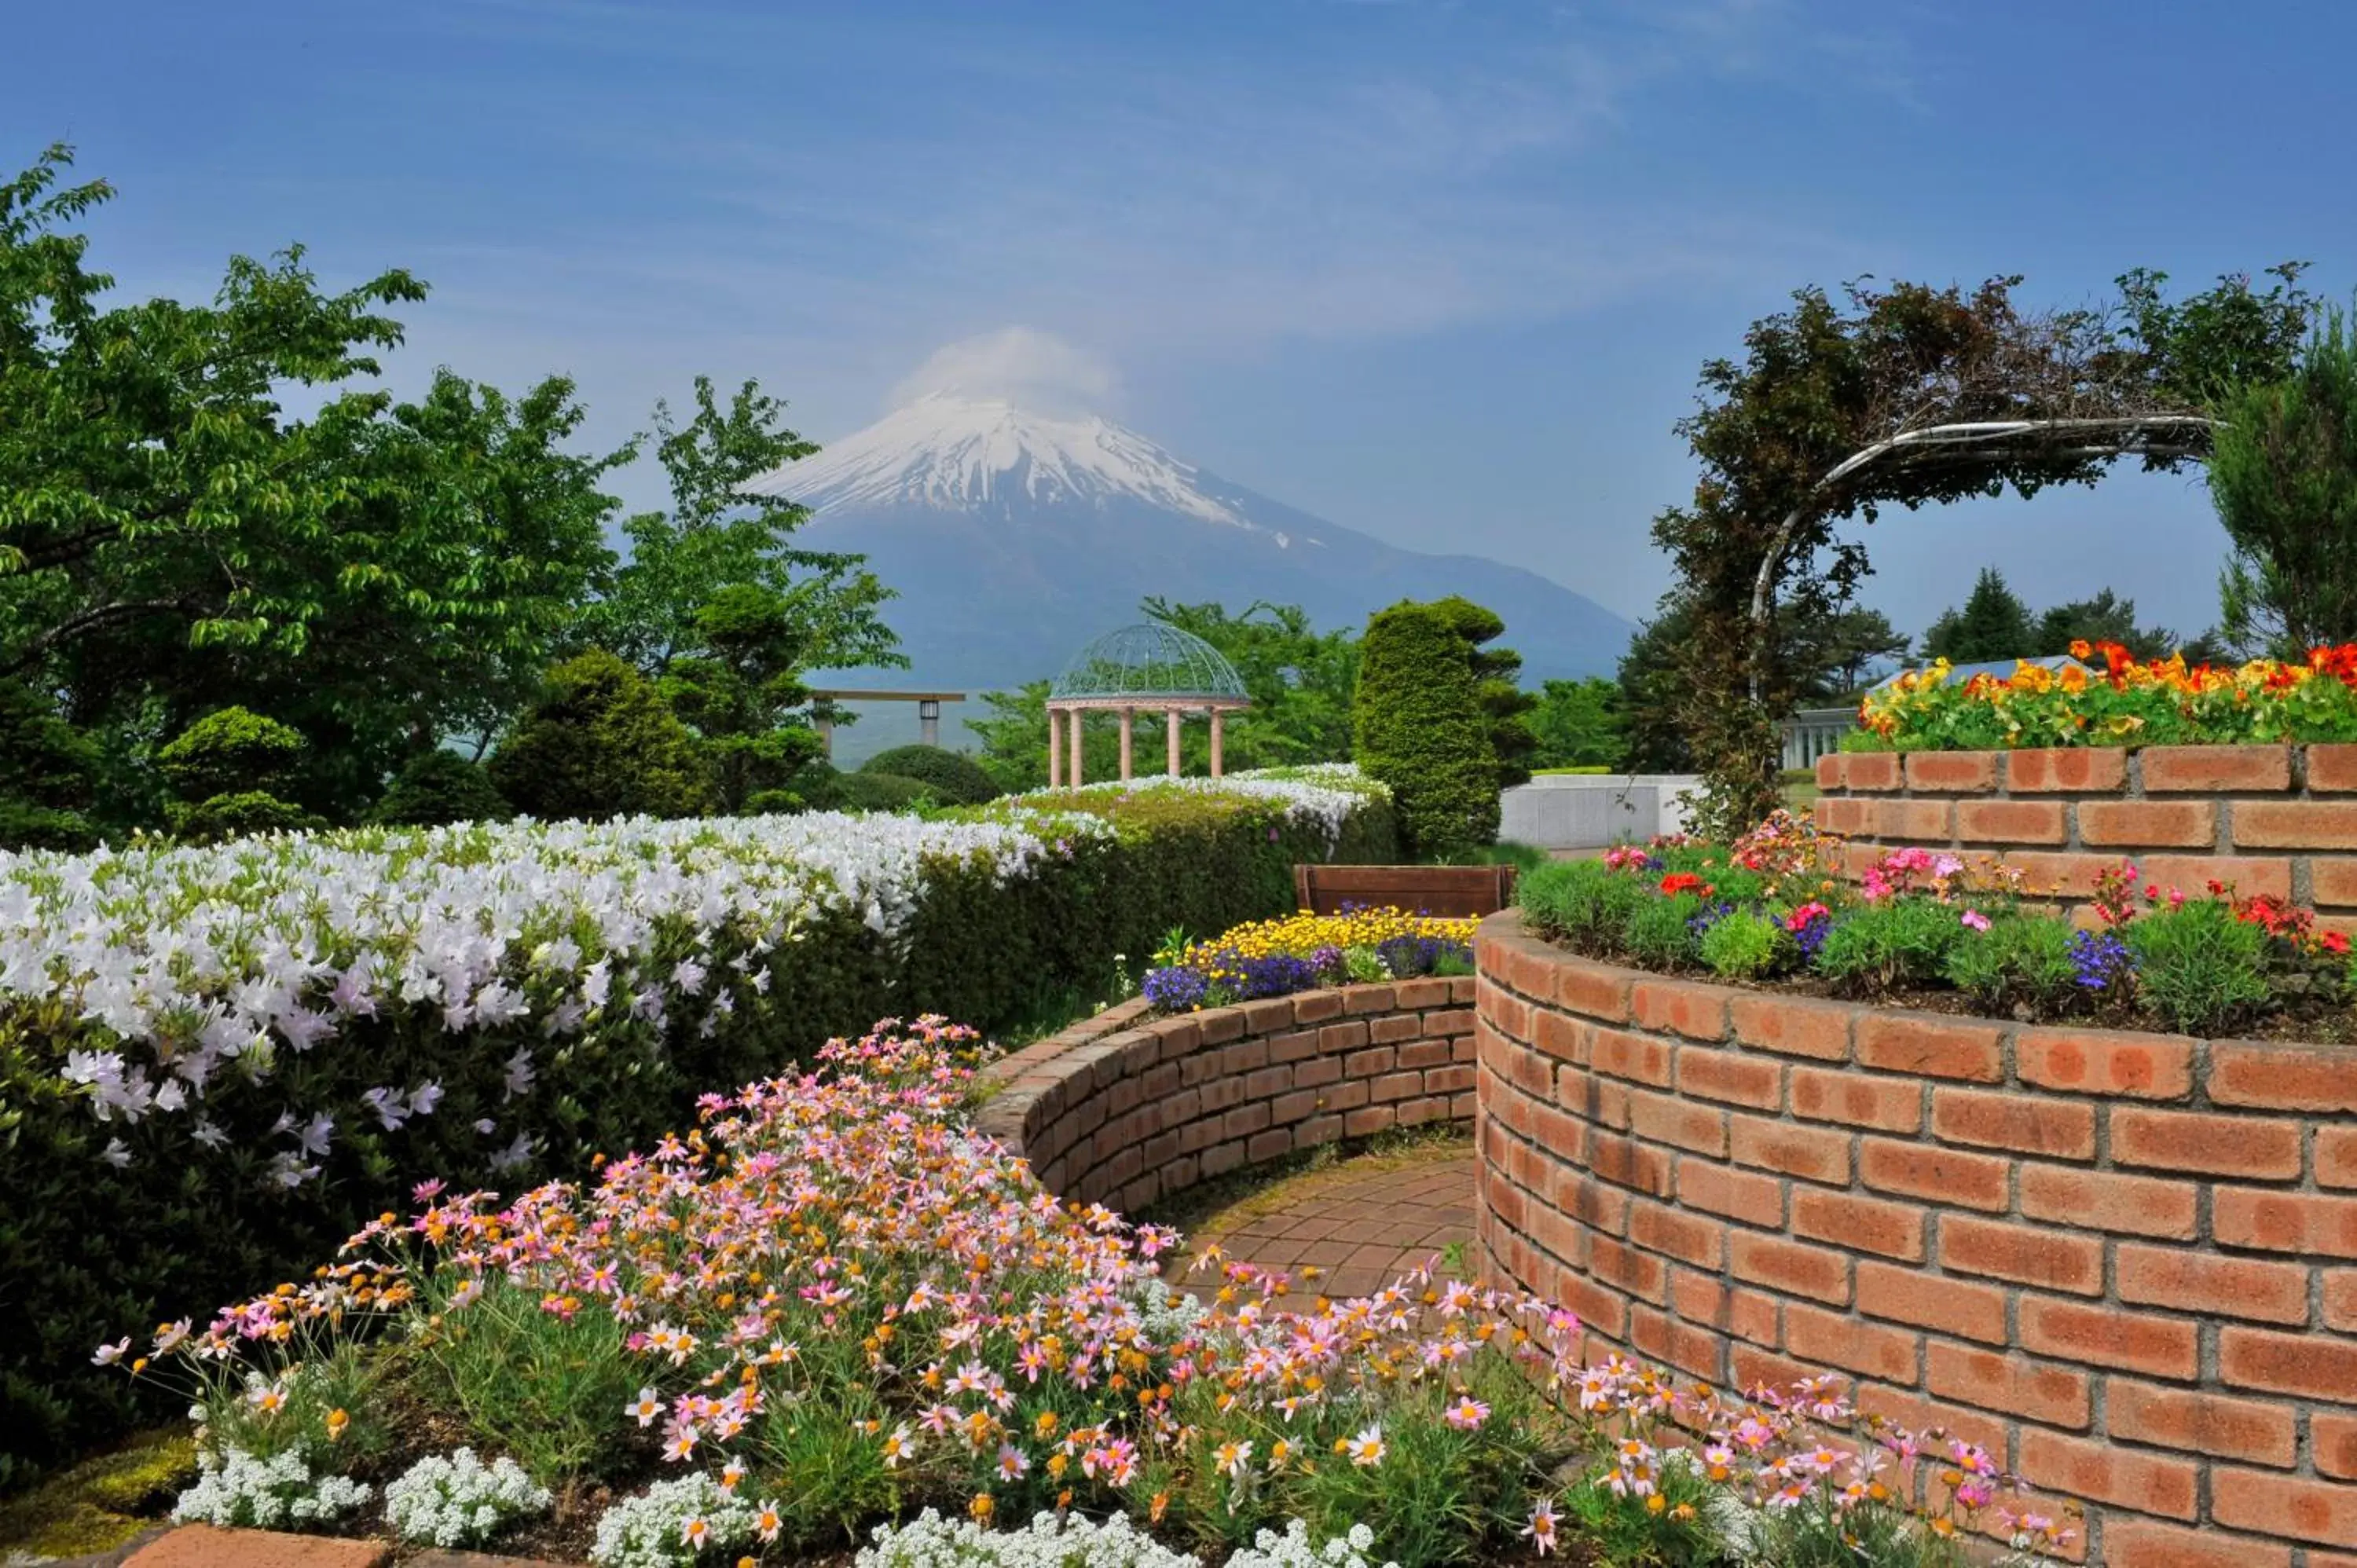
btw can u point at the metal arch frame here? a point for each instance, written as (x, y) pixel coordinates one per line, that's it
(2118, 435)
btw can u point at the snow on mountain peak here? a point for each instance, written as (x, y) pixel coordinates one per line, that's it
(973, 454)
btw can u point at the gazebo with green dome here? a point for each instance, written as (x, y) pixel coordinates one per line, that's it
(1149, 666)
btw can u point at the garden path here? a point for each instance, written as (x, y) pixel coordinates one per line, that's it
(1364, 1220)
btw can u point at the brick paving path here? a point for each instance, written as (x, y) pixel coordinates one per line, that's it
(1364, 1221)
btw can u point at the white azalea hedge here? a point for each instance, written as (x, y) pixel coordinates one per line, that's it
(215, 1060)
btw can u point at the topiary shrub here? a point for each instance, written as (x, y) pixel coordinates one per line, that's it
(881, 792)
(954, 778)
(47, 769)
(1420, 728)
(602, 743)
(438, 787)
(226, 769)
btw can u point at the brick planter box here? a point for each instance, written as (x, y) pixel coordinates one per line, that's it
(2127, 1263)
(2269, 818)
(1122, 1109)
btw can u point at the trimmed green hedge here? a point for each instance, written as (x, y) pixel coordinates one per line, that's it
(90, 1251)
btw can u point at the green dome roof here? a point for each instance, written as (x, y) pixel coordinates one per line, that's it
(1149, 660)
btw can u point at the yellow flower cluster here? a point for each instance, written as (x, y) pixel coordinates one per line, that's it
(1303, 933)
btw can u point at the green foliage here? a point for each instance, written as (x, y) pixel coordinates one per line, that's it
(1581, 903)
(739, 689)
(1659, 930)
(1743, 945)
(48, 770)
(544, 1385)
(1881, 947)
(954, 778)
(1497, 673)
(1300, 683)
(229, 750)
(2198, 966)
(438, 787)
(718, 535)
(1422, 729)
(1628, 1532)
(2282, 475)
(1993, 624)
(601, 742)
(877, 792)
(1578, 724)
(224, 767)
(2022, 960)
(373, 573)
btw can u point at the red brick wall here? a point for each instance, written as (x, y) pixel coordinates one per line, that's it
(2268, 818)
(1119, 1111)
(2125, 1264)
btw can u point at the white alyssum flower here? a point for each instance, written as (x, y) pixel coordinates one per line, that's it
(235, 1488)
(459, 1500)
(930, 1541)
(1294, 1549)
(672, 1524)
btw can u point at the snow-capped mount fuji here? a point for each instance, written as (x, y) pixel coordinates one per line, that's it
(1014, 536)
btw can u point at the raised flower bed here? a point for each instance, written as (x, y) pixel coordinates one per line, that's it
(2126, 1262)
(2244, 775)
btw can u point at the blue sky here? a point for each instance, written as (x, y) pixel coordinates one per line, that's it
(1440, 271)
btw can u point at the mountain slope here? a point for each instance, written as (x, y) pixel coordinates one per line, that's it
(1014, 537)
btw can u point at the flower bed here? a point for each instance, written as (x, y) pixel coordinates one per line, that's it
(1932, 929)
(2161, 702)
(1277, 958)
(833, 1305)
(223, 1058)
(2119, 1261)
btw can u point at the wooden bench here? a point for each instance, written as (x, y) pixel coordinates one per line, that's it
(1419, 889)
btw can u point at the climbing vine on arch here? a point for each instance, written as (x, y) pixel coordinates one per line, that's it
(1911, 396)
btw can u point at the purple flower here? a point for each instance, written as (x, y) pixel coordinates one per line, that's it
(1176, 989)
(2101, 960)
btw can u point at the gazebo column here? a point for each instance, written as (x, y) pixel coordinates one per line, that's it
(1055, 747)
(1072, 721)
(1217, 716)
(1128, 727)
(1170, 727)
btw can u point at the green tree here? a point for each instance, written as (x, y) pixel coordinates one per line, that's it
(722, 532)
(741, 689)
(1653, 711)
(2107, 618)
(1837, 655)
(602, 743)
(2284, 479)
(47, 771)
(1497, 680)
(1300, 682)
(1992, 623)
(173, 542)
(1421, 728)
(951, 777)
(230, 771)
(437, 788)
(1578, 724)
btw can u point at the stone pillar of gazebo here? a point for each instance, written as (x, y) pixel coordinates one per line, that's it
(1055, 747)
(1072, 721)
(1129, 726)
(1217, 714)
(1170, 727)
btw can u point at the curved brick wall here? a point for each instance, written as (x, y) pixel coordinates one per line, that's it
(1121, 1112)
(2269, 818)
(2127, 1263)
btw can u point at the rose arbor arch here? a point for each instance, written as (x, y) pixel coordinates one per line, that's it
(1150, 667)
(1996, 447)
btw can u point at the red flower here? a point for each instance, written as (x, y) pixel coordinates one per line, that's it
(2334, 942)
(1678, 882)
